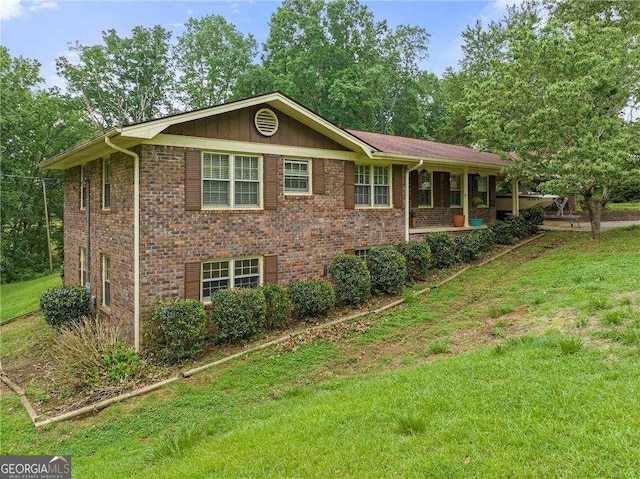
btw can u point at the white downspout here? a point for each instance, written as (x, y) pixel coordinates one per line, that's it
(136, 239)
(407, 200)
(465, 196)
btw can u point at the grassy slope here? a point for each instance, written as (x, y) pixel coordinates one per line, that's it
(23, 297)
(522, 409)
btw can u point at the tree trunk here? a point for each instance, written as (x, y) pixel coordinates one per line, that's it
(595, 215)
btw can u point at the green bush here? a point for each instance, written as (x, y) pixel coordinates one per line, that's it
(175, 329)
(238, 313)
(473, 245)
(417, 256)
(388, 270)
(351, 278)
(312, 299)
(278, 306)
(65, 305)
(443, 250)
(503, 232)
(533, 218)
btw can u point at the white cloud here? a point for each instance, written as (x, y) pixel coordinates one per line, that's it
(16, 8)
(176, 25)
(43, 5)
(10, 9)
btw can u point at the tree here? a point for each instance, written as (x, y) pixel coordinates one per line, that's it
(35, 125)
(125, 80)
(212, 55)
(556, 96)
(334, 58)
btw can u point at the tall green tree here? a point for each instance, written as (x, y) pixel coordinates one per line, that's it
(124, 80)
(211, 55)
(557, 96)
(35, 125)
(333, 57)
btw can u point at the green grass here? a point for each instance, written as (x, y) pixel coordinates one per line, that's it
(549, 400)
(24, 297)
(624, 206)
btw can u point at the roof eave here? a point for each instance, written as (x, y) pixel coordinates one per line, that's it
(92, 148)
(411, 159)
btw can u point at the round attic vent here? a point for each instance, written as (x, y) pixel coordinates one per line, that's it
(266, 122)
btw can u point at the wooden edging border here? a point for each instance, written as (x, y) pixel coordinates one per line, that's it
(20, 316)
(94, 408)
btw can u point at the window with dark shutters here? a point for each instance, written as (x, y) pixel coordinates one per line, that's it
(318, 176)
(192, 281)
(271, 182)
(192, 180)
(349, 185)
(398, 200)
(271, 269)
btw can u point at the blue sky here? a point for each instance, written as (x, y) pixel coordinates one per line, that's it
(43, 29)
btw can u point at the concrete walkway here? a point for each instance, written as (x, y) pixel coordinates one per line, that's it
(556, 225)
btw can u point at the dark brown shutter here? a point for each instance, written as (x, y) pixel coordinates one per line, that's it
(349, 185)
(398, 197)
(271, 269)
(318, 176)
(492, 191)
(349, 251)
(192, 180)
(446, 189)
(192, 281)
(271, 182)
(473, 187)
(414, 189)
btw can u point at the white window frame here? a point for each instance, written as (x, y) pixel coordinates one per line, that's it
(84, 189)
(231, 271)
(106, 281)
(309, 177)
(84, 271)
(483, 194)
(372, 185)
(451, 190)
(362, 253)
(107, 175)
(420, 204)
(231, 179)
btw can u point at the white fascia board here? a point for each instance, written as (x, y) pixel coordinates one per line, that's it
(233, 146)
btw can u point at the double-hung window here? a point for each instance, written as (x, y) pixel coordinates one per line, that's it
(297, 176)
(106, 281)
(455, 186)
(230, 180)
(106, 184)
(425, 181)
(229, 273)
(483, 189)
(373, 185)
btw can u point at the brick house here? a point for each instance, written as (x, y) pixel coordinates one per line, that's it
(250, 192)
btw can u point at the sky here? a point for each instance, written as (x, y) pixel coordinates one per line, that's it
(44, 29)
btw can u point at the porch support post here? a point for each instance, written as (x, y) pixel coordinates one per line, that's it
(465, 196)
(515, 198)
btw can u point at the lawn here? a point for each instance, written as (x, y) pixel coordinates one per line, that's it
(24, 297)
(525, 367)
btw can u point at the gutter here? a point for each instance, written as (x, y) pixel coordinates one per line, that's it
(407, 199)
(136, 238)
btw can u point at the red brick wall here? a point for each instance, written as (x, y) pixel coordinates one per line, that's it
(111, 234)
(305, 231)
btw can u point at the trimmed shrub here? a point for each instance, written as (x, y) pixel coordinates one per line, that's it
(278, 306)
(503, 232)
(175, 329)
(471, 246)
(351, 278)
(443, 250)
(93, 353)
(388, 270)
(417, 256)
(533, 218)
(65, 305)
(312, 299)
(238, 313)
